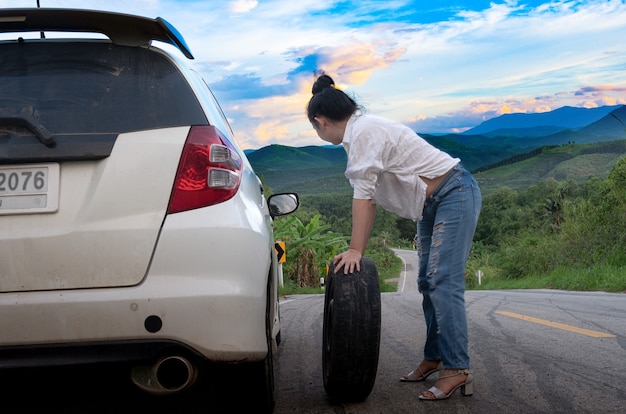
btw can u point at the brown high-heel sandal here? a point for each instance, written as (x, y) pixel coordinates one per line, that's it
(467, 387)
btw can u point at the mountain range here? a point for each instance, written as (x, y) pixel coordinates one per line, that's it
(497, 141)
(535, 124)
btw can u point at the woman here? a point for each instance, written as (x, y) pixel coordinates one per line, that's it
(390, 165)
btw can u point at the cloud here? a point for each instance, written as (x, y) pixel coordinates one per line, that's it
(242, 6)
(271, 120)
(440, 68)
(600, 88)
(277, 111)
(352, 63)
(600, 95)
(479, 111)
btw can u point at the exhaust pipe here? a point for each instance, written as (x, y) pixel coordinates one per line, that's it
(168, 375)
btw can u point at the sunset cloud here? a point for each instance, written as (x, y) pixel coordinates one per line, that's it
(353, 63)
(439, 67)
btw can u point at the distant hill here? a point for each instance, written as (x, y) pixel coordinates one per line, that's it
(319, 169)
(283, 156)
(474, 154)
(573, 162)
(284, 168)
(609, 127)
(566, 117)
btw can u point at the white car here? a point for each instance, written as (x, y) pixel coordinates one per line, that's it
(132, 226)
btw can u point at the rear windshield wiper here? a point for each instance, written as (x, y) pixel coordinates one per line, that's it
(33, 125)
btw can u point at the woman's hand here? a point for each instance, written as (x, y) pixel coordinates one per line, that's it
(349, 260)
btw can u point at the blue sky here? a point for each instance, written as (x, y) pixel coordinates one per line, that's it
(438, 66)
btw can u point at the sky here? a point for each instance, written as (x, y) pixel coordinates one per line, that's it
(437, 66)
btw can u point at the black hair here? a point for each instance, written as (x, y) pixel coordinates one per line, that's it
(329, 101)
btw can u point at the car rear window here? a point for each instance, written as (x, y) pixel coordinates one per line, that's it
(93, 88)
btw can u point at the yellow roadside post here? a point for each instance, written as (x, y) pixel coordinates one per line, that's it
(279, 247)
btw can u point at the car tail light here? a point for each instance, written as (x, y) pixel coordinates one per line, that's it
(209, 171)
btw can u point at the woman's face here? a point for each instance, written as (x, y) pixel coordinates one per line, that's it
(328, 130)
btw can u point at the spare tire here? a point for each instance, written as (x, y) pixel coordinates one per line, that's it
(351, 333)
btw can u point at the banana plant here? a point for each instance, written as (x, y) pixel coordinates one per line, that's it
(310, 247)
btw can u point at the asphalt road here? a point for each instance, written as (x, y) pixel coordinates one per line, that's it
(534, 351)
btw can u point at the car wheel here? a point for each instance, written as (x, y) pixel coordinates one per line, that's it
(245, 387)
(262, 372)
(242, 387)
(262, 392)
(351, 333)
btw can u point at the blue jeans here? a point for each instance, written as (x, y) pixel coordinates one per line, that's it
(444, 240)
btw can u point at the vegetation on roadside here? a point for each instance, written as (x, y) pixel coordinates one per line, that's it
(555, 234)
(310, 249)
(567, 231)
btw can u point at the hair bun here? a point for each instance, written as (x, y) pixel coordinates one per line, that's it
(321, 83)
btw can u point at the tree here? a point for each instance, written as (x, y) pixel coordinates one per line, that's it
(554, 207)
(311, 247)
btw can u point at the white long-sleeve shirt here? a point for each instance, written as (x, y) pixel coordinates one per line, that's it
(386, 160)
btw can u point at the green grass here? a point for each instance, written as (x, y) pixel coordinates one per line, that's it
(602, 278)
(388, 277)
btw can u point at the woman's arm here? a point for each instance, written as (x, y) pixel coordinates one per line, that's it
(363, 214)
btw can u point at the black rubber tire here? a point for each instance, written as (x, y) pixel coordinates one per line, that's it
(262, 372)
(351, 333)
(261, 395)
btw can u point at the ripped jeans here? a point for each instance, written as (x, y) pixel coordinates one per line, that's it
(444, 240)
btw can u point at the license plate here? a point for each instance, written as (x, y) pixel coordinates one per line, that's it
(30, 188)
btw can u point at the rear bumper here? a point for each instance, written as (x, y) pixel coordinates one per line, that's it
(53, 355)
(64, 327)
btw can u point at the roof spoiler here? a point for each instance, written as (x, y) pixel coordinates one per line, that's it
(122, 29)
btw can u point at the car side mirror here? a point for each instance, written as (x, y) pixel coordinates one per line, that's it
(283, 203)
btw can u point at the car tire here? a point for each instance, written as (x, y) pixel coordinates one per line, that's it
(351, 333)
(261, 394)
(262, 372)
